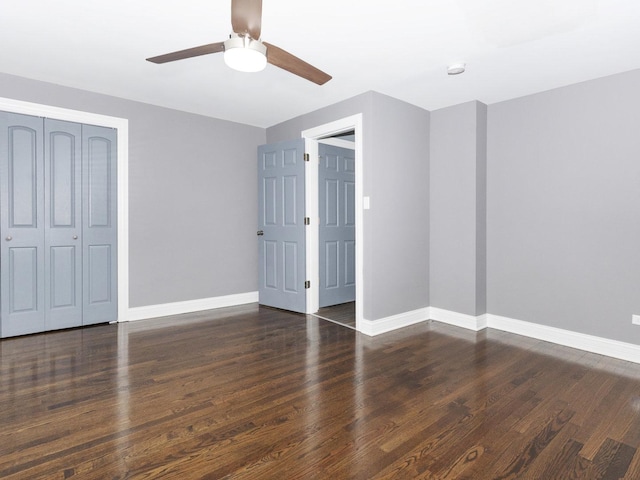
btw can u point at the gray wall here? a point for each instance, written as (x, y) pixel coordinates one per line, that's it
(563, 204)
(192, 195)
(458, 208)
(562, 209)
(396, 177)
(481, 208)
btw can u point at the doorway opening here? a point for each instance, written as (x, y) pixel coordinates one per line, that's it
(349, 128)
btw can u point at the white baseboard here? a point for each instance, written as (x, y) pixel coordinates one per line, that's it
(602, 346)
(581, 341)
(387, 324)
(458, 319)
(177, 308)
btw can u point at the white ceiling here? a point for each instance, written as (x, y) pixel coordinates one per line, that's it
(397, 47)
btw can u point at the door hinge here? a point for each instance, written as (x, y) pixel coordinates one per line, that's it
(307, 221)
(306, 157)
(307, 284)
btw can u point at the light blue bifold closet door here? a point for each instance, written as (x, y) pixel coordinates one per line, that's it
(99, 224)
(22, 224)
(58, 230)
(63, 224)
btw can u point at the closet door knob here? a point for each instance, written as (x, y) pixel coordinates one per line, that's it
(75, 237)
(9, 238)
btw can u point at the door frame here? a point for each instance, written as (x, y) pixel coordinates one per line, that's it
(311, 136)
(121, 125)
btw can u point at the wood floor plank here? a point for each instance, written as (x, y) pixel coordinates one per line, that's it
(633, 471)
(601, 424)
(257, 393)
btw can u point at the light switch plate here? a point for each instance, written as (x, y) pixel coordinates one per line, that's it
(366, 203)
(635, 319)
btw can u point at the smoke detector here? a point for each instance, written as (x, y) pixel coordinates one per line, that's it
(456, 69)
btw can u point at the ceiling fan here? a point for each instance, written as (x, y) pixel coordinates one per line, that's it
(245, 51)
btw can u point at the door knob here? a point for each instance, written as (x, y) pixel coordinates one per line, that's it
(260, 233)
(9, 238)
(75, 237)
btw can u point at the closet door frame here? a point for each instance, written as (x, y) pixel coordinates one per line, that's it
(121, 125)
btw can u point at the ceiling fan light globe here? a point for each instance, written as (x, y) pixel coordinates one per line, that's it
(245, 55)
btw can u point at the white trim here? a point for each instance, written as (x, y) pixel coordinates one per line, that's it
(122, 127)
(311, 136)
(567, 338)
(337, 142)
(458, 319)
(581, 341)
(312, 209)
(387, 324)
(189, 306)
(332, 321)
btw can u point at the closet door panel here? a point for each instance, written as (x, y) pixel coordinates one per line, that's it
(99, 275)
(63, 277)
(23, 280)
(63, 224)
(22, 225)
(99, 224)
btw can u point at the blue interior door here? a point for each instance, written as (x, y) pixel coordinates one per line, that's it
(63, 224)
(281, 240)
(99, 225)
(22, 224)
(337, 235)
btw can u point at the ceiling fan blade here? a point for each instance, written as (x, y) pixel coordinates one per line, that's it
(283, 59)
(246, 17)
(188, 53)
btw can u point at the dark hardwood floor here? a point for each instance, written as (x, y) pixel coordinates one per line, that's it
(257, 393)
(344, 314)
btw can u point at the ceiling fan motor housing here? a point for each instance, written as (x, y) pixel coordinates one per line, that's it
(245, 54)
